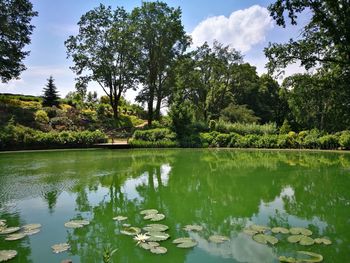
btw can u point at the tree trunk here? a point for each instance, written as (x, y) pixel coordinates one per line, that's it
(159, 103)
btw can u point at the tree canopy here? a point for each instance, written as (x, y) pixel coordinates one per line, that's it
(15, 31)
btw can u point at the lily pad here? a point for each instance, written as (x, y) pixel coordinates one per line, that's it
(13, 237)
(193, 228)
(322, 240)
(154, 217)
(9, 230)
(157, 236)
(131, 231)
(264, 239)
(281, 230)
(31, 226)
(306, 241)
(250, 232)
(188, 244)
(300, 230)
(58, 248)
(316, 257)
(258, 228)
(82, 222)
(30, 232)
(294, 238)
(145, 246)
(3, 223)
(155, 228)
(120, 218)
(158, 250)
(72, 224)
(287, 259)
(218, 239)
(182, 240)
(153, 244)
(149, 212)
(6, 255)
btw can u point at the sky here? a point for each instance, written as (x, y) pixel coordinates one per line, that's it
(242, 24)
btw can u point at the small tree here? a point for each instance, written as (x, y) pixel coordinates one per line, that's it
(51, 97)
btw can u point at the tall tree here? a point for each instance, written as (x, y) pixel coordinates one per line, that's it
(325, 40)
(15, 31)
(50, 97)
(104, 51)
(161, 37)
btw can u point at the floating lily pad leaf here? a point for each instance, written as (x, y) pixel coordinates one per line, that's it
(131, 231)
(155, 228)
(149, 212)
(58, 248)
(264, 239)
(287, 260)
(322, 240)
(154, 244)
(30, 232)
(126, 225)
(13, 237)
(271, 239)
(182, 240)
(250, 232)
(316, 257)
(3, 223)
(158, 250)
(71, 224)
(294, 238)
(120, 218)
(158, 236)
(145, 246)
(193, 228)
(300, 230)
(306, 241)
(258, 228)
(187, 244)
(218, 239)
(9, 230)
(154, 217)
(6, 255)
(81, 222)
(281, 230)
(31, 226)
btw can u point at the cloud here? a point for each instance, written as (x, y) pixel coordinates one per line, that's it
(242, 29)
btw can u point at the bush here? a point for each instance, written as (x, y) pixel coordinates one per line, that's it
(311, 140)
(329, 142)
(154, 135)
(344, 140)
(207, 138)
(41, 117)
(20, 137)
(244, 129)
(222, 140)
(285, 128)
(150, 144)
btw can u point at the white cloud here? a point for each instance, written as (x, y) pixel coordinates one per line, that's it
(242, 30)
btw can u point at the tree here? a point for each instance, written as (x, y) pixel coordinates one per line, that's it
(50, 97)
(238, 113)
(161, 37)
(15, 31)
(104, 51)
(324, 41)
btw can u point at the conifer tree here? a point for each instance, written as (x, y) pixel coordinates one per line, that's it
(50, 97)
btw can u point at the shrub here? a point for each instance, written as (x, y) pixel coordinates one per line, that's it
(41, 117)
(244, 129)
(154, 135)
(212, 125)
(207, 138)
(222, 140)
(329, 142)
(268, 141)
(311, 139)
(149, 144)
(285, 128)
(344, 139)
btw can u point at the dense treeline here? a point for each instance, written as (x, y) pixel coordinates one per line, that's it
(210, 86)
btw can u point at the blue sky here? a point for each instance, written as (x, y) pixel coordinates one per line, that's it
(244, 24)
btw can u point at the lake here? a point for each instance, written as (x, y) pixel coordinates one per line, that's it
(223, 190)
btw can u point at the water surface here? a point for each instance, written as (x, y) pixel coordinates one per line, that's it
(223, 190)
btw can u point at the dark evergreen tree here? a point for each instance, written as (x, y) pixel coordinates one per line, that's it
(51, 97)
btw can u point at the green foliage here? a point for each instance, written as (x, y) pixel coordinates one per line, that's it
(329, 141)
(182, 118)
(20, 137)
(15, 31)
(50, 97)
(238, 113)
(154, 135)
(212, 125)
(285, 128)
(344, 140)
(41, 117)
(153, 144)
(243, 129)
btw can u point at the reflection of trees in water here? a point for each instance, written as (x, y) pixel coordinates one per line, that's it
(221, 189)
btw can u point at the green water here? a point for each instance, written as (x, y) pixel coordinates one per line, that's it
(222, 190)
